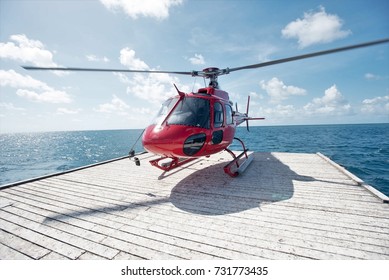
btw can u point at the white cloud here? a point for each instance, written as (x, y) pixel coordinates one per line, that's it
(92, 57)
(122, 77)
(52, 96)
(201, 35)
(369, 76)
(332, 103)
(198, 59)
(47, 94)
(127, 58)
(27, 50)
(377, 105)
(154, 87)
(282, 111)
(158, 9)
(315, 28)
(374, 77)
(116, 105)
(256, 95)
(13, 79)
(65, 111)
(143, 111)
(278, 91)
(265, 50)
(10, 107)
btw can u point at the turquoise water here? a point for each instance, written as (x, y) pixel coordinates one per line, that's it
(28, 155)
(363, 149)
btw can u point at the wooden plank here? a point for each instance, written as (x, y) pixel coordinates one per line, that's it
(191, 248)
(21, 217)
(23, 246)
(300, 228)
(91, 256)
(321, 217)
(126, 256)
(64, 210)
(8, 253)
(292, 241)
(54, 256)
(285, 206)
(60, 247)
(143, 252)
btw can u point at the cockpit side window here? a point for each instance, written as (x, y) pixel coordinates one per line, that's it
(229, 118)
(218, 115)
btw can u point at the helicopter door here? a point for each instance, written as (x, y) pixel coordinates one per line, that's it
(218, 119)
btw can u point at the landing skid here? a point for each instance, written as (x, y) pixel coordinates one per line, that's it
(170, 164)
(235, 167)
(240, 162)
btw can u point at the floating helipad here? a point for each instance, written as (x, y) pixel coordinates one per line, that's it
(285, 206)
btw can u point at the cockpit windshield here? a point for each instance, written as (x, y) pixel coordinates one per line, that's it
(164, 110)
(189, 111)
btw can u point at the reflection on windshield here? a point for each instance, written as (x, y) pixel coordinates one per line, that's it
(165, 109)
(189, 111)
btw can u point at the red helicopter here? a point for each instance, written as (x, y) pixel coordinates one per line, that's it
(202, 123)
(192, 125)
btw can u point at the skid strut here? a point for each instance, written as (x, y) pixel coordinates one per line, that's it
(167, 166)
(241, 161)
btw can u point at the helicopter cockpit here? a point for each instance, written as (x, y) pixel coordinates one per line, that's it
(189, 111)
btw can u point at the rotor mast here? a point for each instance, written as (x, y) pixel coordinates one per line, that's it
(211, 73)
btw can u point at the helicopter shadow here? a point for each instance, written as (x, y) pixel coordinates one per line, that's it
(210, 192)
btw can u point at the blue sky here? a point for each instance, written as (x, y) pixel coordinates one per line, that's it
(350, 87)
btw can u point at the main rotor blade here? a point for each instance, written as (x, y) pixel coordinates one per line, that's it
(104, 70)
(304, 56)
(217, 72)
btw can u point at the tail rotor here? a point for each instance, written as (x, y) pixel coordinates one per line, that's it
(247, 113)
(244, 117)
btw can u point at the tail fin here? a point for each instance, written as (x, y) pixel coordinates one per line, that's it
(247, 118)
(244, 117)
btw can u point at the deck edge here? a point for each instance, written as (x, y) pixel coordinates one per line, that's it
(13, 184)
(359, 181)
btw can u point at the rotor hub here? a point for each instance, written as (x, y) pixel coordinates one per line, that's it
(211, 73)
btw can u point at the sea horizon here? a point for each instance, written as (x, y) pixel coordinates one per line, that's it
(251, 125)
(363, 148)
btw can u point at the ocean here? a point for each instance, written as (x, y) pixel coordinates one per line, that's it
(363, 149)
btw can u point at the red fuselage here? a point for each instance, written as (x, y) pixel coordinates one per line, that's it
(192, 125)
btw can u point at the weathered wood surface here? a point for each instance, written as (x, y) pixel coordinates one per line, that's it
(285, 206)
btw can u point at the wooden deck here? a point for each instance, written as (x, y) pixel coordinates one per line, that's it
(285, 206)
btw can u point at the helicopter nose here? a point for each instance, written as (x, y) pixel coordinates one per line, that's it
(173, 141)
(158, 140)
